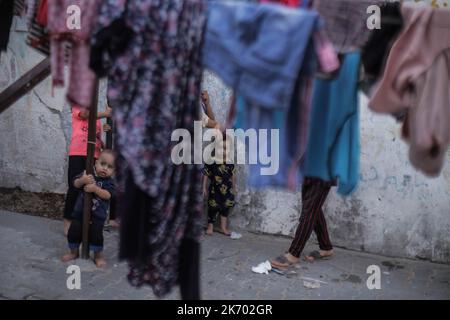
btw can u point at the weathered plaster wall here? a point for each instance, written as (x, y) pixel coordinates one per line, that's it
(35, 131)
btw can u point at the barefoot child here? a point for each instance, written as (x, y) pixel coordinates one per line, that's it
(102, 187)
(221, 192)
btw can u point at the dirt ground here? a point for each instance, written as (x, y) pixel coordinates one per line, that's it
(49, 205)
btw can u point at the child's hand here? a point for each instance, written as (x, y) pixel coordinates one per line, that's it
(87, 179)
(91, 188)
(106, 127)
(219, 127)
(108, 112)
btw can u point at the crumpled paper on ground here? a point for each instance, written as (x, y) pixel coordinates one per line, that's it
(263, 267)
(235, 235)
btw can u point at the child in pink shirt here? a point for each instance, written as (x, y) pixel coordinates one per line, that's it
(78, 154)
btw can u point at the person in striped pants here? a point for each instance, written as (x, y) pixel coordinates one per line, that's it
(314, 194)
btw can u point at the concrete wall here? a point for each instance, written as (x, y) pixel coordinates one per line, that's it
(395, 211)
(35, 131)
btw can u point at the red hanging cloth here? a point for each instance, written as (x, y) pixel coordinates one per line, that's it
(41, 16)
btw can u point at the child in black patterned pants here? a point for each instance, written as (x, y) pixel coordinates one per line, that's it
(221, 192)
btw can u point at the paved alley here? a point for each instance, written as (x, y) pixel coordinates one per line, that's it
(30, 269)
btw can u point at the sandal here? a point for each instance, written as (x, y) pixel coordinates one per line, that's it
(315, 255)
(218, 230)
(281, 262)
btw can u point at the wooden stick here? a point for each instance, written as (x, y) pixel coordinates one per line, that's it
(92, 140)
(109, 134)
(24, 84)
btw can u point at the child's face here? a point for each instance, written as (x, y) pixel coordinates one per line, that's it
(104, 166)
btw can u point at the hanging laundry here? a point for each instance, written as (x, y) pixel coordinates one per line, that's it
(41, 16)
(374, 54)
(20, 7)
(38, 37)
(292, 122)
(292, 129)
(345, 22)
(110, 41)
(258, 49)
(6, 18)
(418, 82)
(292, 126)
(32, 6)
(265, 78)
(155, 88)
(333, 143)
(82, 79)
(328, 61)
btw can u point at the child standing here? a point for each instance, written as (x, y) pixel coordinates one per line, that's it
(78, 154)
(221, 192)
(102, 187)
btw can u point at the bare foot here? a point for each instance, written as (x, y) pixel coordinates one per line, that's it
(225, 231)
(224, 227)
(70, 256)
(292, 258)
(66, 226)
(100, 262)
(210, 229)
